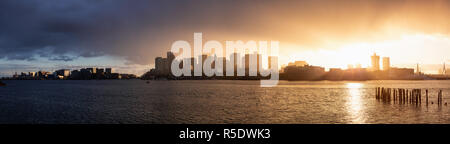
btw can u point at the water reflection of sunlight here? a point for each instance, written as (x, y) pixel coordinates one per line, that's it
(355, 105)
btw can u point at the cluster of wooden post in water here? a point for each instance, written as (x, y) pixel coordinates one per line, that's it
(404, 96)
(440, 98)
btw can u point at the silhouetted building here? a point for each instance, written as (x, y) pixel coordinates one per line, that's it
(444, 71)
(350, 66)
(401, 73)
(32, 74)
(298, 63)
(63, 72)
(270, 59)
(100, 74)
(93, 70)
(109, 70)
(335, 74)
(235, 57)
(85, 74)
(375, 62)
(75, 74)
(115, 76)
(224, 64)
(82, 74)
(418, 69)
(386, 63)
(127, 76)
(306, 72)
(161, 66)
(170, 59)
(247, 65)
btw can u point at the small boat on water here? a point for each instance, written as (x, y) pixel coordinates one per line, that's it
(2, 84)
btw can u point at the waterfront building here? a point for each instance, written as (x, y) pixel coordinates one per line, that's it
(85, 74)
(109, 70)
(350, 66)
(161, 66)
(375, 62)
(401, 73)
(270, 59)
(15, 75)
(93, 70)
(63, 72)
(298, 63)
(306, 72)
(234, 58)
(32, 74)
(386, 63)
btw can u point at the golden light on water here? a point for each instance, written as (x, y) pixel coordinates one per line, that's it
(354, 102)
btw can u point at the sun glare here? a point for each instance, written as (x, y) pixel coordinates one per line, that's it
(403, 51)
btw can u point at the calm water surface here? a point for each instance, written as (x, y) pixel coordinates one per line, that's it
(210, 101)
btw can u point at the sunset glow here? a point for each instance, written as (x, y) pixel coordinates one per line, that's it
(404, 52)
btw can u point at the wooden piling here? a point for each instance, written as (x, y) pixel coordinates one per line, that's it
(420, 96)
(407, 96)
(395, 96)
(426, 94)
(439, 98)
(403, 96)
(410, 97)
(417, 96)
(376, 92)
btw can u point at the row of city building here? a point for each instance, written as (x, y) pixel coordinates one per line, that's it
(163, 66)
(66, 74)
(299, 70)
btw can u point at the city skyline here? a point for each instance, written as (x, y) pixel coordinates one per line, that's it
(378, 63)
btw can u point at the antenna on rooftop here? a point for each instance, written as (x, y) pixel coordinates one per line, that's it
(444, 71)
(418, 69)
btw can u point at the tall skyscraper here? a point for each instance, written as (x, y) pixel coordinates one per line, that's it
(193, 63)
(375, 62)
(170, 58)
(270, 59)
(234, 57)
(350, 66)
(158, 63)
(386, 63)
(93, 70)
(418, 69)
(444, 71)
(203, 57)
(161, 65)
(109, 70)
(247, 58)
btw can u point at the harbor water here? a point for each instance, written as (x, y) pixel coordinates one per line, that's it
(215, 101)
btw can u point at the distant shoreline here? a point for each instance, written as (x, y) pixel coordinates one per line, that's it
(216, 79)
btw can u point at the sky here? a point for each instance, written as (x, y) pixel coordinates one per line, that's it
(128, 35)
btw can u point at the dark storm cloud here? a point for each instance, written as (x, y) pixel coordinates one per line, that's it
(63, 58)
(53, 29)
(139, 30)
(86, 28)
